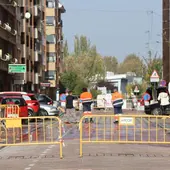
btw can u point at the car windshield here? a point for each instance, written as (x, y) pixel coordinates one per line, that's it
(17, 101)
(30, 97)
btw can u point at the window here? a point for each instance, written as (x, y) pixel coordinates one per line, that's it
(51, 57)
(50, 20)
(50, 3)
(17, 101)
(50, 75)
(28, 98)
(51, 39)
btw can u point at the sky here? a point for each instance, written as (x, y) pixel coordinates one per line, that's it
(116, 27)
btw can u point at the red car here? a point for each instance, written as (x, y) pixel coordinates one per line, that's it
(16, 100)
(32, 102)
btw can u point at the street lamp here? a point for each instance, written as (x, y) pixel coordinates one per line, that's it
(27, 15)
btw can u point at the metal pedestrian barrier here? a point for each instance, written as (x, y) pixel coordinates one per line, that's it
(31, 131)
(9, 111)
(130, 129)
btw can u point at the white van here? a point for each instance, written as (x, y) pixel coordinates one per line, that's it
(101, 101)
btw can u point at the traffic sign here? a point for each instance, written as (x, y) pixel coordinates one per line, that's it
(126, 121)
(163, 83)
(63, 97)
(154, 77)
(45, 84)
(146, 97)
(16, 68)
(136, 89)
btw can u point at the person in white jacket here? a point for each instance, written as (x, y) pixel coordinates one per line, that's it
(164, 99)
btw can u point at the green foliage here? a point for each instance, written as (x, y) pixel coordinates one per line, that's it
(79, 86)
(65, 49)
(68, 79)
(131, 63)
(110, 63)
(131, 87)
(153, 64)
(84, 66)
(95, 92)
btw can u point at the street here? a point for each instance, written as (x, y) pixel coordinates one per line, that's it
(96, 156)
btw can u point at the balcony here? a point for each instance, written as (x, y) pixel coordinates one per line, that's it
(36, 78)
(36, 56)
(51, 66)
(36, 33)
(35, 10)
(7, 33)
(50, 11)
(10, 8)
(50, 30)
(51, 48)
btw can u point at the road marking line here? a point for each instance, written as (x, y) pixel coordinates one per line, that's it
(27, 168)
(31, 164)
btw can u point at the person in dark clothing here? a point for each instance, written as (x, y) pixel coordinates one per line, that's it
(86, 98)
(70, 111)
(69, 101)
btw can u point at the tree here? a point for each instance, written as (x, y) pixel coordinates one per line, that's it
(151, 64)
(131, 63)
(110, 63)
(69, 79)
(65, 49)
(85, 63)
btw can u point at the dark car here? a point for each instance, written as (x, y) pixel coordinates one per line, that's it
(154, 108)
(44, 99)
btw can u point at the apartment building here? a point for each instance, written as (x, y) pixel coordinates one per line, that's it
(54, 39)
(22, 41)
(166, 40)
(10, 50)
(33, 43)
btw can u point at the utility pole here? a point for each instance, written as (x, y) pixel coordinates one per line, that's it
(57, 51)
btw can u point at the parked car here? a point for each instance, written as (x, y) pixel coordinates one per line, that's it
(48, 110)
(153, 107)
(44, 99)
(16, 100)
(76, 103)
(32, 102)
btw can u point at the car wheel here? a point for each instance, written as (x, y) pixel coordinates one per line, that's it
(43, 112)
(30, 113)
(157, 111)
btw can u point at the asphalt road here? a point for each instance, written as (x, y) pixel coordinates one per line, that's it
(96, 156)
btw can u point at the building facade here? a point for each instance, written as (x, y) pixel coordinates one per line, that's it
(31, 34)
(33, 43)
(54, 39)
(10, 50)
(166, 40)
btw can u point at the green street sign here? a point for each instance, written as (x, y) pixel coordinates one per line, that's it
(16, 68)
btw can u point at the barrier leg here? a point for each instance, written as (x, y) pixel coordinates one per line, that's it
(60, 138)
(81, 144)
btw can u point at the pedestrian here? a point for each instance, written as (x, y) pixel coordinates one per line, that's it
(70, 115)
(134, 103)
(86, 99)
(117, 100)
(163, 97)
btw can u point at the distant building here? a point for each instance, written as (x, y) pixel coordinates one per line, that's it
(121, 80)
